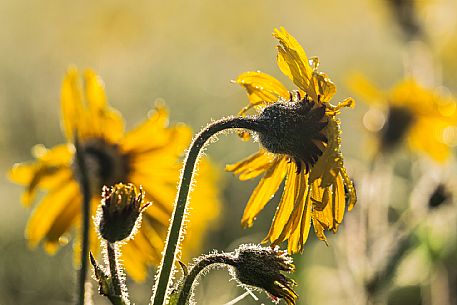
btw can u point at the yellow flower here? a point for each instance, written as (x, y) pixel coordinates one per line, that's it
(147, 155)
(424, 117)
(301, 144)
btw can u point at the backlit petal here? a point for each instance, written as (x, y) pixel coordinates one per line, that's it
(71, 103)
(60, 225)
(301, 225)
(252, 166)
(292, 187)
(49, 171)
(261, 88)
(366, 89)
(293, 62)
(51, 207)
(339, 203)
(265, 190)
(155, 133)
(107, 122)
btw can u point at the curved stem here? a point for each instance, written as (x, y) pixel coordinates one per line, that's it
(207, 260)
(175, 231)
(85, 190)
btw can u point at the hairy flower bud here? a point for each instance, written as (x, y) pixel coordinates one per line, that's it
(121, 207)
(295, 128)
(262, 267)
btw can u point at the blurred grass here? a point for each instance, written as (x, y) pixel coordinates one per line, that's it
(185, 53)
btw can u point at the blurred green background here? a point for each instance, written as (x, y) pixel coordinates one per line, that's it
(186, 53)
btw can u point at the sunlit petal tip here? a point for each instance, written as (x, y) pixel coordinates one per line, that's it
(51, 247)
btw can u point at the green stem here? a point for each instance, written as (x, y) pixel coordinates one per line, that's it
(208, 260)
(175, 231)
(85, 189)
(113, 268)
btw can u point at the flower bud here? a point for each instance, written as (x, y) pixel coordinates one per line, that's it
(262, 267)
(295, 128)
(121, 207)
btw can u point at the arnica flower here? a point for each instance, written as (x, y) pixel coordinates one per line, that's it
(147, 155)
(301, 144)
(424, 118)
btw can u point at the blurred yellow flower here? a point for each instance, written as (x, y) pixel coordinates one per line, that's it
(303, 146)
(148, 156)
(424, 117)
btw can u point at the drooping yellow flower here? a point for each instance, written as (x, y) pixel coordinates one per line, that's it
(147, 155)
(424, 117)
(301, 145)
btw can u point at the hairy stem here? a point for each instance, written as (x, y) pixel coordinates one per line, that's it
(113, 268)
(85, 190)
(218, 258)
(175, 231)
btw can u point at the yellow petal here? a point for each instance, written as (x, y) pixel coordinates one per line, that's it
(330, 163)
(52, 167)
(252, 166)
(265, 190)
(155, 133)
(301, 224)
(71, 103)
(366, 89)
(95, 92)
(49, 171)
(294, 182)
(106, 122)
(51, 207)
(318, 229)
(143, 251)
(55, 236)
(426, 135)
(322, 217)
(159, 211)
(293, 62)
(324, 86)
(262, 88)
(339, 203)
(294, 219)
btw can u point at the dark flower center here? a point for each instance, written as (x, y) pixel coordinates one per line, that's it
(399, 121)
(295, 128)
(439, 196)
(106, 164)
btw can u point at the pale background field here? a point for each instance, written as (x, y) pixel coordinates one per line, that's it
(186, 53)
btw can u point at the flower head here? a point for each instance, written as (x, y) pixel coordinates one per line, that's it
(263, 268)
(300, 143)
(121, 206)
(424, 118)
(147, 155)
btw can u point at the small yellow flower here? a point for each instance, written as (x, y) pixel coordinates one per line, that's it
(424, 117)
(301, 144)
(147, 155)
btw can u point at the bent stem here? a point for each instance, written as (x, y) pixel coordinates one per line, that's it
(85, 189)
(217, 258)
(175, 231)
